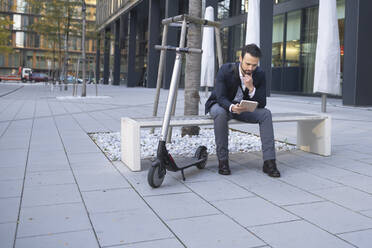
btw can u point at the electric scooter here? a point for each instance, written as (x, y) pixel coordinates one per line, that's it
(164, 161)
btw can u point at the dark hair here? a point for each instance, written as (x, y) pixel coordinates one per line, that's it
(252, 49)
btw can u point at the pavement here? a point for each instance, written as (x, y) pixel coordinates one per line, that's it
(57, 188)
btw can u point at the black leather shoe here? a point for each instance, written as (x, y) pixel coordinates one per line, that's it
(223, 167)
(269, 167)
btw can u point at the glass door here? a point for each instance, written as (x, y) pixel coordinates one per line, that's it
(286, 52)
(277, 52)
(291, 66)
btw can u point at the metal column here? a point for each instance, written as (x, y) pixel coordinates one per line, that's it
(106, 57)
(98, 58)
(116, 79)
(154, 30)
(132, 49)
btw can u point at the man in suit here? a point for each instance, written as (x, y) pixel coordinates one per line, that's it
(234, 82)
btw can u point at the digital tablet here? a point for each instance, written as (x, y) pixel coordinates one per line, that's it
(248, 105)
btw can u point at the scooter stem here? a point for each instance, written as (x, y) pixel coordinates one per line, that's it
(171, 95)
(173, 85)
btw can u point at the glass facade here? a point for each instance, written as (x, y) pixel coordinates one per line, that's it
(294, 48)
(32, 49)
(294, 41)
(233, 33)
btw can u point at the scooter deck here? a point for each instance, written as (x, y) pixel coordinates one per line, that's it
(183, 163)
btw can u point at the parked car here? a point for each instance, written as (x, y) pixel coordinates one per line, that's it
(39, 77)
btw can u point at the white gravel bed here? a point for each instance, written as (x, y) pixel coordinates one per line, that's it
(183, 146)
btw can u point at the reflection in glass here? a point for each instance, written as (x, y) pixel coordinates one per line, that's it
(293, 39)
(223, 9)
(308, 48)
(277, 46)
(239, 40)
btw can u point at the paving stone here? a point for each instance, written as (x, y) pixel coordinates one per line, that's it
(367, 213)
(49, 178)
(14, 143)
(253, 211)
(284, 194)
(134, 225)
(100, 179)
(358, 181)
(347, 197)
(7, 234)
(13, 157)
(112, 200)
(50, 194)
(218, 190)
(75, 143)
(46, 220)
(138, 180)
(54, 165)
(287, 157)
(176, 206)
(194, 174)
(76, 239)
(171, 243)
(308, 181)
(235, 167)
(47, 156)
(9, 209)
(87, 158)
(329, 172)
(331, 217)
(251, 179)
(213, 231)
(82, 148)
(11, 188)
(12, 173)
(361, 239)
(297, 234)
(50, 146)
(359, 167)
(365, 159)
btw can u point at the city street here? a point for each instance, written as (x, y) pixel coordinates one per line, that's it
(58, 189)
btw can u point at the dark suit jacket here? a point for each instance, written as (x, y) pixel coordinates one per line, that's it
(227, 84)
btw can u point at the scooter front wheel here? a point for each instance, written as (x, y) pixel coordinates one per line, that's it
(201, 153)
(156, 174)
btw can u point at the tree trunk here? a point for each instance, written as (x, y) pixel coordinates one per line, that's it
(192, 69)
(59, 51)
(65, 64)
(54, 62)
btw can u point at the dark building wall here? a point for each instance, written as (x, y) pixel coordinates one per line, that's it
(266, 34)
(153, 31)
(357, 89)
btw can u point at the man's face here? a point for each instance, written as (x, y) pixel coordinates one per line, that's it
(248, 64)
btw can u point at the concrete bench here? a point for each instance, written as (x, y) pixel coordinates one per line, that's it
(313, 132)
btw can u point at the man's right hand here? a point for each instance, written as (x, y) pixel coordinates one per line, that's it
(237, 109)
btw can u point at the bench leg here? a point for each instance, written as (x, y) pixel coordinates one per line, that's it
(315, 136)
(130, 144)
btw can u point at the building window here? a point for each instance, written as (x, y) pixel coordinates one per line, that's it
(281, 1)
(223, 9)
(2, 60)
(294, 48)
(277, 46)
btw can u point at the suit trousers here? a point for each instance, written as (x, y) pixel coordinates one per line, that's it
(262, 116)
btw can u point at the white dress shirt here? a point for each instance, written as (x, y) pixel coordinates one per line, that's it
(243, 87)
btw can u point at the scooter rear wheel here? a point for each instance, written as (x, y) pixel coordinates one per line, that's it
(156, 175)
(201, 153)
